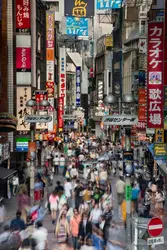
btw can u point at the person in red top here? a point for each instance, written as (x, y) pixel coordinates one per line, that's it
(74, 228)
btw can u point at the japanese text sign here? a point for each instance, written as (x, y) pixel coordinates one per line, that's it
(23, 59)
(79, 8)
(22, 15)
(62, 74)
(78, 86)
(50, 19)
(155, 79)
(60, 113)
(41, 95)
(23, 95)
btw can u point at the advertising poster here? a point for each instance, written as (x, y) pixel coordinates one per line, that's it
(79, 8)
(23, 59)
(155, 78)
(23, 21)
(108, 4)
(23, 95)
(77, 26)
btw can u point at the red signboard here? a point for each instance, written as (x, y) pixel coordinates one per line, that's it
(50, 89)
(142, 96)
(60, 112)
(155, 227)
(155, 78)
(41, 95)
(23, 59)
(142, 113)
(22, 15)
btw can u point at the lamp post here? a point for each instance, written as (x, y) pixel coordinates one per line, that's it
(34, 106)
(126, 105)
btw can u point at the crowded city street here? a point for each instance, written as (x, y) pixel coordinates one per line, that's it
(80, 200)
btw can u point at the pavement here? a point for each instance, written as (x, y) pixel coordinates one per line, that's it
(11, 207)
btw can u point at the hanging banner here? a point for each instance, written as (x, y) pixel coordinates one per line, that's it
(62, 74)
(50, 19)
(23, 95)
(79, 8)
(77, 26)
(23, 59)
(50, 89)
(60, 113)
(155, 71)
(78, 86)
(23, 21)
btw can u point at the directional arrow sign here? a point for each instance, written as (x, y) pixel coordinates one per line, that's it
(38, 118)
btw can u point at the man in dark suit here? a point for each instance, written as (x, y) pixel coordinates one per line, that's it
(85, 229)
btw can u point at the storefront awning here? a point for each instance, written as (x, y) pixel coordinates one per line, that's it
(6, 173)
(75, 58)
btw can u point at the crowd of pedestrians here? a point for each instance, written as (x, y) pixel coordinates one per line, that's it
(87, 206)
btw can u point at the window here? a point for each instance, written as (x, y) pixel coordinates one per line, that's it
(39, 43)
(54, 6)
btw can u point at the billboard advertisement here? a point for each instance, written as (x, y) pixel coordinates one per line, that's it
(23, 21)
(155, 78)
(77, 26)
(41, 95)
(79, 8)
(60, 113)
(62, 74)
(23, 59)
(108, 4)
(23, 95)
(78, 86)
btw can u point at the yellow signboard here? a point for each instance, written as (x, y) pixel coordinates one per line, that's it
(159, 135)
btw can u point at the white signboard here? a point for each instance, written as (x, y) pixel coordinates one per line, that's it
(23, 95)
(155, 241)
(42, 125)
(38, 118)
(120, 120)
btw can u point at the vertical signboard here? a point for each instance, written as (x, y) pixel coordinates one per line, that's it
(23, 95)
(23, 20)
(142, 109)
(50, 62)
(62, 74)
(23, 59)
(78, 86)
(155, 79)
(60, 113)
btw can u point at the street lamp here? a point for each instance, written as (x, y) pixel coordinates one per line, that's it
(33, 104)
(128, 101)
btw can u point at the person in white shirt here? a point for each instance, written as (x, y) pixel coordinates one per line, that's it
(74, 172)
(68, 191)
(95, 214)
(62, 162)
(40, 236)
(56, 161)
(103, 176)
(15, 184)
(69, 152)
(120, 187)
(86, 172)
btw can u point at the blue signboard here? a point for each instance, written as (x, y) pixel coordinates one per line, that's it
(78, 86)
(108, 4)
(77, 26)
